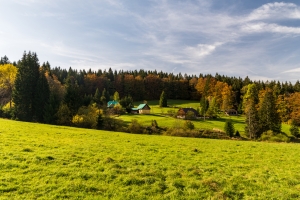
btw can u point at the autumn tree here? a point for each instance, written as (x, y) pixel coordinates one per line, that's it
(294, 107)
(7, 81)
(116, 96)
(57, 93)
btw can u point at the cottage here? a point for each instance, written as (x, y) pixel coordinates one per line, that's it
(231, 112)
(141, 109)
(112, 104)
(182, 112)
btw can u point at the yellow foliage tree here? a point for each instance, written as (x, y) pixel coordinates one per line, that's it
(7, 79)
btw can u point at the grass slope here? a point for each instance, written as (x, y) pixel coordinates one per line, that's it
(52, 162)
(159, 114)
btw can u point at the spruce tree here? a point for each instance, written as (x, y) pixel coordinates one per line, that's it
(41, 99)
(268, 117)
(72, 97)
(163, 102)
(103, 99)
(24, 93)
(97, 97)
(250, 99)
(229, 128)
(4, 60)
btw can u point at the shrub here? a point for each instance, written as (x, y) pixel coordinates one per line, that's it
(188, 125)
(274, 137)
(112, 124)
(86, 117)
(190, 115)
(237, 134)
(135, 127)
(171, 113)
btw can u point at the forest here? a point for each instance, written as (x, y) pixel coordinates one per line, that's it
(34, 92)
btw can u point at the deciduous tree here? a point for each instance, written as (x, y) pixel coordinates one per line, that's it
(7, 81)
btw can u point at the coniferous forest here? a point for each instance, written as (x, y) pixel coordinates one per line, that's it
(37, 92)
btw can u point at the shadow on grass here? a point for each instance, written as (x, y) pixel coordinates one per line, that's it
(235, 121)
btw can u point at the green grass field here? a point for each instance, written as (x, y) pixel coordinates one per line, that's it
(159, 114)
(52, 162)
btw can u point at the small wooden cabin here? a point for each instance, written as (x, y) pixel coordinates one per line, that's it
(112, 104)
(141, 109)
(183, 111)
(231, 112)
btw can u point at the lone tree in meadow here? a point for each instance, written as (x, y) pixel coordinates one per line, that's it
(163, 102)
(229, 128)
(268, 116)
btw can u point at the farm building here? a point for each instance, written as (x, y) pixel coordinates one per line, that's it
(112, 104)
(141, 109)
(182, 112)
(231, 112)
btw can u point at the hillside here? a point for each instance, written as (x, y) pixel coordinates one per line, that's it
(53, 162)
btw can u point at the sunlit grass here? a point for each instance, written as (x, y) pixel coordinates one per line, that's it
(52, 162)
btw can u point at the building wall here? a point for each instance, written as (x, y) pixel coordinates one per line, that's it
(144, 111)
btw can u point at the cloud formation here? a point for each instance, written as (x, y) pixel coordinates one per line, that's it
(191, 37)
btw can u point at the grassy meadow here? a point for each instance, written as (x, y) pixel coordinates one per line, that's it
(54, 162)
(159, 114)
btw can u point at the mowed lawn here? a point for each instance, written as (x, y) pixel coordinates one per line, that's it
(51, 162)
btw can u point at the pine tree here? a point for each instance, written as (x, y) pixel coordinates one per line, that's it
(97, 97)
(163, 102)
(269, 119)
(72, 97)
(42, 95)
(4, 60)
(103, 98)
(229, 128)
(25, 87)
(51, 110)
(250, 100)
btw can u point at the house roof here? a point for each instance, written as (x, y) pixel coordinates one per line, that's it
(112, 103)
(140, 107)
(189, 109)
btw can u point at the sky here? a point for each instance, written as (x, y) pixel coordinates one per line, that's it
(255, 38)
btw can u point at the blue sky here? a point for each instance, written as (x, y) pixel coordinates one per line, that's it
(255, 38)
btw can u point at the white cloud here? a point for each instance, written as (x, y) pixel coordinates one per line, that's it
(201, 50)
(292, 70)
(261, 27)
(275, 11)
